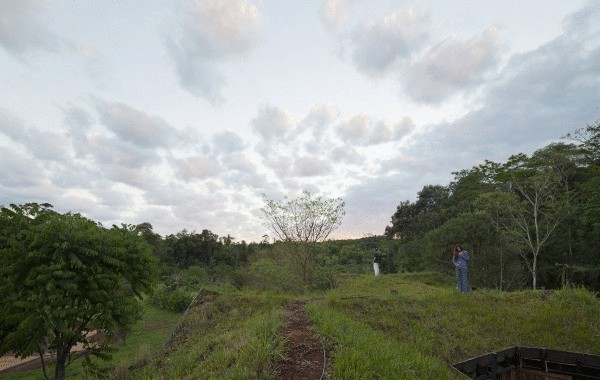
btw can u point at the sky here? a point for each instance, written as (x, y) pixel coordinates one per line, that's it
(183, 114)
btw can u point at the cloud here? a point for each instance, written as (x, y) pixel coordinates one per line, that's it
(135, 126)
(538, 98)
(334, 14)
(239, 162)
(544, 93)
(227, 142)
(309, 166)
(346, 155)
(379, 45)
(281, 165)
(272, 123)
(362, 130)
(318, 119)
(21, 31)
(121, 161)
(45, 145)
(452, 65)
(19, 170)
(196, 167)
(96, 64)
(78, 123)
(214, 31)
(12, 126)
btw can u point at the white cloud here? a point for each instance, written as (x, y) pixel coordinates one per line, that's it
(308, 166)
(362, 130)
(214, 31)
(272, 123)
(22, 32)
(121, 161)
(19, 170)
(135, 126)
(346, 155)
(334, 14)
(12, 126)
(379, 45)
(318, 119)
(197, 167)
(227, 142)
(452, 65)
(281, 165)
(45, 145)
(239, 162)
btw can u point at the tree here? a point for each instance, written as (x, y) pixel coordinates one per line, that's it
(413, 220)
(303, 220)
(64, 276)
(540, 208)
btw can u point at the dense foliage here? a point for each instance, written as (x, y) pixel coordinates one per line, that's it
(533, 220)
(64, 277)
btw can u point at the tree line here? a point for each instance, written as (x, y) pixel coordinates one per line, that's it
(533, 220)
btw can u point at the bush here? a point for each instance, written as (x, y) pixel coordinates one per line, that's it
(266, 274)
(174, 299)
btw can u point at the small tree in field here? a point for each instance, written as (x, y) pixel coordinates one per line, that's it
(63, 276)
(303, 220)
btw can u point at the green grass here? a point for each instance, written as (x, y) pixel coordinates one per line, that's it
(233, 337)
(404, 326)
(145, 339)
(414, 316)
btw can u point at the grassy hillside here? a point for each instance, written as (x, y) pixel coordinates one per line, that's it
(388, 327)
(393, 326)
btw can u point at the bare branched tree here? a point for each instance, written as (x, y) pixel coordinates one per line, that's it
(305, 219)
(300, 221)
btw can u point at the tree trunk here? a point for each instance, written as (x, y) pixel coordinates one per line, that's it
(534, 272)
(62, 353)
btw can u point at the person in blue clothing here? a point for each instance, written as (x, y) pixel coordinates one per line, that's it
(459, 259)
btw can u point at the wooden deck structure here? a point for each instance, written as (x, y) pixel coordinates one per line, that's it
(531, 363)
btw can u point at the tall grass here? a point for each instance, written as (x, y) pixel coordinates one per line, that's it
(438, 322)
(236, 336)
(363, 353)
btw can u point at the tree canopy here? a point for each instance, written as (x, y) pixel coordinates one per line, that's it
(63, 277)
(540, 213)
(306, 219)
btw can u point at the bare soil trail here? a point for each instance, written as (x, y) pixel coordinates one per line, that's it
(303, 350)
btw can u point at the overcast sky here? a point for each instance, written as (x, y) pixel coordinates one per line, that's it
(182, 114)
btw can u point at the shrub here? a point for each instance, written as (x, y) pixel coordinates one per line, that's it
(174, 299)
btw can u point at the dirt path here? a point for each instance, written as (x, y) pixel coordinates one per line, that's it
(304, 351)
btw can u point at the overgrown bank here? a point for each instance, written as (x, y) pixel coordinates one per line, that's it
(393, 326)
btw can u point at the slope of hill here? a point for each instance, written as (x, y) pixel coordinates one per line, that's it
(393, 326)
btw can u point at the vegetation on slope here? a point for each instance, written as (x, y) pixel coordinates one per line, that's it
(392, 326)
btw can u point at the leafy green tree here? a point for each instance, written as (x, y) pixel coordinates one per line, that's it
(190, 248)
(403, 222)
(589, 138)
(413, 220)
(65, 276)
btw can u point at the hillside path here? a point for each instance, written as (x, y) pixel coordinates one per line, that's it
(303, 350)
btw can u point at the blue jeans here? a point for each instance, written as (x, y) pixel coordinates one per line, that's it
(462, 281)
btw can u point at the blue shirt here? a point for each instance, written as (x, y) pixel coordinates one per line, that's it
(461, 259)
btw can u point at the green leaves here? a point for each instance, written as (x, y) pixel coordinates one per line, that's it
(64, 275)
